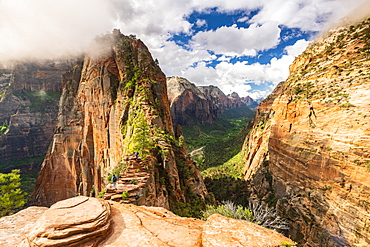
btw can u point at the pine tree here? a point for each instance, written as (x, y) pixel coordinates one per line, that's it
(11, 196)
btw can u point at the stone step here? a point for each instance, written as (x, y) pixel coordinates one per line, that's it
(116, 197)
(136, 178)
(129, 200)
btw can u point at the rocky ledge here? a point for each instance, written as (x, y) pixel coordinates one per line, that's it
(86, 221)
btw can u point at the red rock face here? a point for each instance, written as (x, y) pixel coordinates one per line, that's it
(188, 105)
(113, 105)
(310, 154)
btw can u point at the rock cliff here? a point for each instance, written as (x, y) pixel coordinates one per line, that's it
(113, 104)
(83, 221)
(29, 99)
(222, 101)
(188, 105)
(191, 105)
(308, 153)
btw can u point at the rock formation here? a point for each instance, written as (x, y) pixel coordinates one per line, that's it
(188, 105)
(83, 221)
(113, 104)
(250, 102)
(308, 152)
(191, 105)
(29, 99)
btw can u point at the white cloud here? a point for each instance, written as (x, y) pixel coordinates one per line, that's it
(173, 58)
(201, 23)
(232, 77)
(234, 41)
(296, 49)
(311, 15)
(45, 28)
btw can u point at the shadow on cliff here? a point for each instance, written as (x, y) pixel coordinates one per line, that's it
(117, 227)
(229, 189)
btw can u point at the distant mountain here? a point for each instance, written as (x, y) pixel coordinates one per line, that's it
(251, 102)
(191, 105)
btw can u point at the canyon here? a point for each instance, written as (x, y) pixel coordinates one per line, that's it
(308, 152)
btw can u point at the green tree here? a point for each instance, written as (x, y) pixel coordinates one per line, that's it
(11, 196)
(142, 138)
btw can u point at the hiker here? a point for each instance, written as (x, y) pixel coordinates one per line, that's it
(136, 155)
(114, 180)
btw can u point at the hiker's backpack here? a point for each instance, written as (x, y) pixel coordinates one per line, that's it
(114, 179)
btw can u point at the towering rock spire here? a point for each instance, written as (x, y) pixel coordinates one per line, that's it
(115, 103)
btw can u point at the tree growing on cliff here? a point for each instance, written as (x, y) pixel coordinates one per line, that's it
(11, 196)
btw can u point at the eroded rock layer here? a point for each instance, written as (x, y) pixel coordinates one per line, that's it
(113, 104)
(309, 151)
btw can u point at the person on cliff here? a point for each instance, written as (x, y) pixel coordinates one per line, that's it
(114, 181)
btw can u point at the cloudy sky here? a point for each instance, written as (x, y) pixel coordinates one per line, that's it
(244, 46)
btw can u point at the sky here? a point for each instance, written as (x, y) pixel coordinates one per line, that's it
(243, 46)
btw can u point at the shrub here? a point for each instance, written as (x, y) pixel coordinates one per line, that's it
(347, 105)
(101, 194)
(228, 209)
(267, 217)
(256, 213)
(125, 195)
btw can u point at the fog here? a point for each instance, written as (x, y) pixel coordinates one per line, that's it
(361, 12)
(41, 29)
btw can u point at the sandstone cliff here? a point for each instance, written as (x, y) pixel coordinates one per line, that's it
(191, 105)
(29, 99)
(115, 103)
(308, 153)
(83, 221)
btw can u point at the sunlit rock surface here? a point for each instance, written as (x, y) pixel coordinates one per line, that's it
(308, 153)
(83, 221)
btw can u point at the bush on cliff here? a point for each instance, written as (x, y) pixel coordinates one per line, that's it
(256, 213)
(11, 196)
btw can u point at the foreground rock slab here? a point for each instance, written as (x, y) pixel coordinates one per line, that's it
(13, 229)
(84, 221)
(227, 232)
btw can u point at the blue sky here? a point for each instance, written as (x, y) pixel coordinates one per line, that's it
(242, 46)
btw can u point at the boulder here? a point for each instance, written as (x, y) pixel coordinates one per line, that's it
(72, 222)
